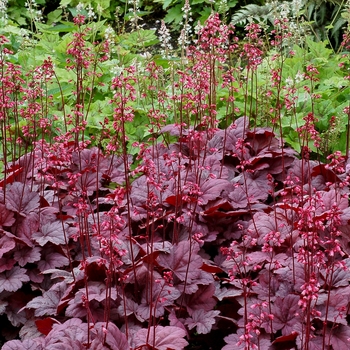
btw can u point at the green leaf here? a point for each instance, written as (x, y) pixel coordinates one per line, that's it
(130, 129)
(65, 3)
(337, 26)
(17, 17)
(165, 62)
(174, 15)
(62, 28)
(232, 3)
(63, 44)
(103, 3)
(65, 75)
(195, 2)
(65, 89)
(205, 13)
(140, 38)
(318, 49)
(292, 139)
(54, 16)
(166, 3)
(130, 15)
(335, 81)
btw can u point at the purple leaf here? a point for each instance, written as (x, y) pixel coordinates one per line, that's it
(203, 278)
(339, 337)
(3, 305)
(222, 209)
(340, 276)
(223, 292)
(128, 308)
(238, 197)
(97, 291)
(6, 264)
(73, 329)
(66, 343)
(50, 259)
(183, 260)
(271, 285)
(162, 295)
(27, 255)
(235, 342)
(202, 299)
(6, 216)
(265, 224)
(24, 228)
(263, 141)
(213, 188)
(6, 244)
(116, 169)
(162, 338)
(48, 214)
(345, 216)
(172, 129)
(202, 320)
(28, 344)
(109, 338)
(35, 275)
(14, 310)
(230, 135)
(139, 193)
(67, 276)
(75, 306)
(88, 182)
(177, 322)
(327, 199)
(213, 166)
(47, 304)
(29, 330)
(258, 258)
(50, 232)
(12, 280)
(87, 158)
(286, 274)
(257, 185)
(335, 308)
(21, 200)
(286, 312)
(279, 164)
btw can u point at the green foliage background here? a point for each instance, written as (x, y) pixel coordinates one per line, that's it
(34, 41)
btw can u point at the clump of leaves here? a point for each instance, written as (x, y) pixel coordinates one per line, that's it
(204, 234)
(165, 265)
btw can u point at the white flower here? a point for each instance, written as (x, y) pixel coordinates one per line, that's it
(299, 77)
(289, 82)
(91, 14)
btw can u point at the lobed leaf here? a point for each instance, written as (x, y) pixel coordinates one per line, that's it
(202, 320)
(202, 299)
(162, 338)
(109, 337)
(13, 279)
(6, 216)
(21, 200)
(6, 244)
(50, 232)
(183, 260)
(26, 255)
(28, 344)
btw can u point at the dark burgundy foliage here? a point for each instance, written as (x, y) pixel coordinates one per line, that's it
(207, 245)
(161, 338)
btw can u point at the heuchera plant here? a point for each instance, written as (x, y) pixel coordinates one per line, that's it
(218, 253)
(221, 238)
